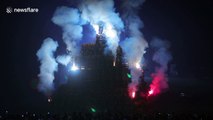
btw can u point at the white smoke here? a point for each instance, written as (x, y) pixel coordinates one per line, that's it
(48, 65)
(70, 21)
(63, 59)
(134, 45)
(98, 12)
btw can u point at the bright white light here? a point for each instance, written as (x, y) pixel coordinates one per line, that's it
(137, 65)
(133, 94)
(74, 67)
(109, 31)
(96, 28)
(151, 92)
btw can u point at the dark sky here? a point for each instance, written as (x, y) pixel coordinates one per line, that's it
(187, 25)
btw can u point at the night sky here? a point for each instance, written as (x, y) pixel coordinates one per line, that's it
(187, 25)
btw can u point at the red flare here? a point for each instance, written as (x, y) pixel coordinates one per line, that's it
(150, 92)
(133, 94)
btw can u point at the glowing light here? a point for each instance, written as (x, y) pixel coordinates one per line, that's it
(96, 28)
(74, 67)
(114, 63)
(110, 32)
(137, 65)
(82, 68)
(133, 94)
(93, 110)
(129, 75)
(49, 100)
(150, 92)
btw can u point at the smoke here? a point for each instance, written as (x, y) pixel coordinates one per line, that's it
(48, 65)
(94, 12)
(63, 59)
(134, 45)
(102, 13)
(70, 21)
(162, 57)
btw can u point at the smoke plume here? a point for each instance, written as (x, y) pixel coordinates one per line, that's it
(70, 21)
(63, 59)
(102, 13)
(48, 65)
(162, 57)
(134, 45)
